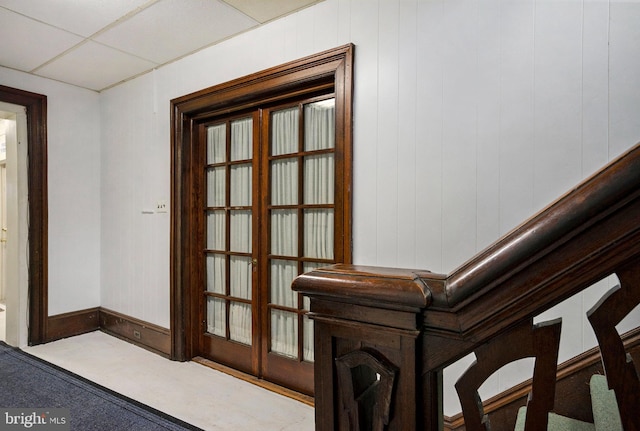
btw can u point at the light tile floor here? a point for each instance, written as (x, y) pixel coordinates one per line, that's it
(204, 397)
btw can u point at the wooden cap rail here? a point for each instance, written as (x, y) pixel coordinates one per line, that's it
(384, 287)
(587, 234)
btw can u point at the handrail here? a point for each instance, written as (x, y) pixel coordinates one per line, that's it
(580, 238)
(596, 197)
(418, 322)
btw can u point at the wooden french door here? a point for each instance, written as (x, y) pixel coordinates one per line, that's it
(230, 255)
(268, 214)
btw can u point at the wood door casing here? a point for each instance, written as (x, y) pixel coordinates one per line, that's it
(327, 72)
(36, 110)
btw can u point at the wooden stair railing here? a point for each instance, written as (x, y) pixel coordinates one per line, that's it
(411, 324)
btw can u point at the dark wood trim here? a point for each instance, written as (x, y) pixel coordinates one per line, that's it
(143, 334)
(273, 387)
(36, 110)
(572, 392)
(332, 68)
(73, 323)
(151, 337)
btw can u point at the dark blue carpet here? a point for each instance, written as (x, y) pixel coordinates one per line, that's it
(29, 382)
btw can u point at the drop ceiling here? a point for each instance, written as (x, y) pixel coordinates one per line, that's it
(97, 44)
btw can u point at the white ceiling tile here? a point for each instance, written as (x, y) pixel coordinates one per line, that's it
(56, 38)
(170, 29)
(26, 44)
(83, 17)
(266, 10)
(95, 66)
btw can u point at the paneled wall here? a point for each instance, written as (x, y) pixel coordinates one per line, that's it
(73, 140)
(469, 116)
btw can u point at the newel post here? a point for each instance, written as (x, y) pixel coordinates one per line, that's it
(368, 348)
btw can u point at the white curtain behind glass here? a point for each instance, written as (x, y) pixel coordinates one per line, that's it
(240, 237)
(319, 188)
(240, 222)
(282, 274)
(308, 323)
(319, 179)
(284, 132)
(216, 323)
(216, 144)
(318, 233)
(216, 153)
(215, 263)
(284, 231)
(318, 223)
(319, 125)
(319, 176)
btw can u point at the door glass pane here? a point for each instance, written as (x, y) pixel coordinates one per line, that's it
(284, 232)
(319, 125)
(284, 131)
(310, 266)
(240, 274)
(284, 333)
(284, 181)
(215, 230)
(216, 144)
(216, 322)
(308, 339)
(308, 323)
(241, 231)
(318, 233)
(242, 139)
(241, 185)
(282, 274)
(216, 273)
(215, 187)
(240, 322)
(319, 179)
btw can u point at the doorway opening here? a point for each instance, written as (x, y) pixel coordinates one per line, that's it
(7, 126)
(13, 288)
(26, 234)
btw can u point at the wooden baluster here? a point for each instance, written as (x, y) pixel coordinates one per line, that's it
(540, 341)
(366, 384)
(619, 365)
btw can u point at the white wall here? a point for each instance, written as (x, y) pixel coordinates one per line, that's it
(469, 116)
(135, 168)
(73, 124)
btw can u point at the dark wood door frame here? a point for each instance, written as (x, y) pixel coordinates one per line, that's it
(328, 69)
(36, 110)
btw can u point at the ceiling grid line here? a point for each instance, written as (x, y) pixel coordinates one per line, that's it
(97, 44)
